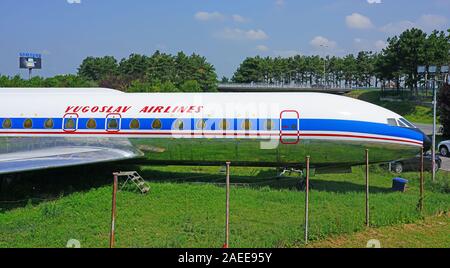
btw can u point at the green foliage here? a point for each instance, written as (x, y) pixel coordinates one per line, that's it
(138, 73)
(97, 68)
(158, 73)
(397, 62)
(68, 80)
(191, 86)
(408, 109)
(444, 109)
(185, 209)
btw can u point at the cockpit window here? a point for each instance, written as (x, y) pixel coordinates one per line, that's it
(400, 123)
(407, 123)
(392, 122)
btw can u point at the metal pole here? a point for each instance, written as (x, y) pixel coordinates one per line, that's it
(307, 200)
(421, 181)
(227, 207)
(29, 73)
(113, 211)
(324, 71)
(367, 188)
(433, 148)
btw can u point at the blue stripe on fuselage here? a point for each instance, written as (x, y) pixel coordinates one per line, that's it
(325, 125)
(358, 126)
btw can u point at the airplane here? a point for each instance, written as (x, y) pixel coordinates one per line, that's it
(43, 128)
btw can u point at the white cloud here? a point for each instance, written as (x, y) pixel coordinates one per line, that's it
(262, 48)
(208, 16)
(239, 18)
(380, 45)
(374, 1)
(427, 22)
(431, 22)
(239, 34)
(361, 44)
(397, 27)
(358, 21)
(74, 1)
(286, 53)
(322, 42)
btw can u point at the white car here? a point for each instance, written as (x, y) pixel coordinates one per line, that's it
(444, 148)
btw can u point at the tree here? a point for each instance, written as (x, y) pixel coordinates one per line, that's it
(190, 86)
(249, 71)
(96, 69)
(135, 66)
(444, 109)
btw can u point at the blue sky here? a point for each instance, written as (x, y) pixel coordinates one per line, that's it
(224, 31)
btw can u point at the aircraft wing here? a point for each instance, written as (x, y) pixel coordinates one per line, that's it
(62, 154)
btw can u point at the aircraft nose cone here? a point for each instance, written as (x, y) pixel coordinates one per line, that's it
(426, 142)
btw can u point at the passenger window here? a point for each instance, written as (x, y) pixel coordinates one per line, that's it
(156, 124)
(6, 123)
(224, 124)
(247, 125)
(392, 122)
(269, 124)
(28, 123)
(134, 124)
(91, 124)
(201, 124)
(178, 124)
(49, 123)
(70, 123)
(113, 123)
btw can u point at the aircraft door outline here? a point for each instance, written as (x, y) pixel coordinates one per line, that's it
(289, 127)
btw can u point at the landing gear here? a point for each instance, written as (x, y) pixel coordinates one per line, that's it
(301, 183)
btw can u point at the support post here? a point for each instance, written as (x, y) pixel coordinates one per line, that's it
(433, 148)
(367, 188)
(227, 207)
(421, 182)
(307, 200)
(113, 211)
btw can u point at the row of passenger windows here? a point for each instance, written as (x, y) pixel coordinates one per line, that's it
(113, 123)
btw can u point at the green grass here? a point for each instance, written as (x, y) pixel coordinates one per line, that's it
(432, 232)
(410, 110)
(183, 211)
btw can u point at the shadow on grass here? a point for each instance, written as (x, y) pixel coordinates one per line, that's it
(265, 178)
(32, 188)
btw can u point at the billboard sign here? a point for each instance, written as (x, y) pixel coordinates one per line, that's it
(30, 61)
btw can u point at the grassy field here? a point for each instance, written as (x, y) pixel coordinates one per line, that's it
(410, 110)
(432, 232)
(185, 208)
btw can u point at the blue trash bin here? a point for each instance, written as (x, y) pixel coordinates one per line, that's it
(399, 184)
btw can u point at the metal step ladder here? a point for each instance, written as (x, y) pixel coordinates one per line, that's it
(135, 178)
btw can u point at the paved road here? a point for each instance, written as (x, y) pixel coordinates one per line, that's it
(445, 163)
(428, 128)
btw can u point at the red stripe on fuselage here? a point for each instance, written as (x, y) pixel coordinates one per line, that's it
(216, 134)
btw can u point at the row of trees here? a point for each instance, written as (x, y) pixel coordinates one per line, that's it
(159, 72)
(396, 63)
(138, 73)
(68, 80)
